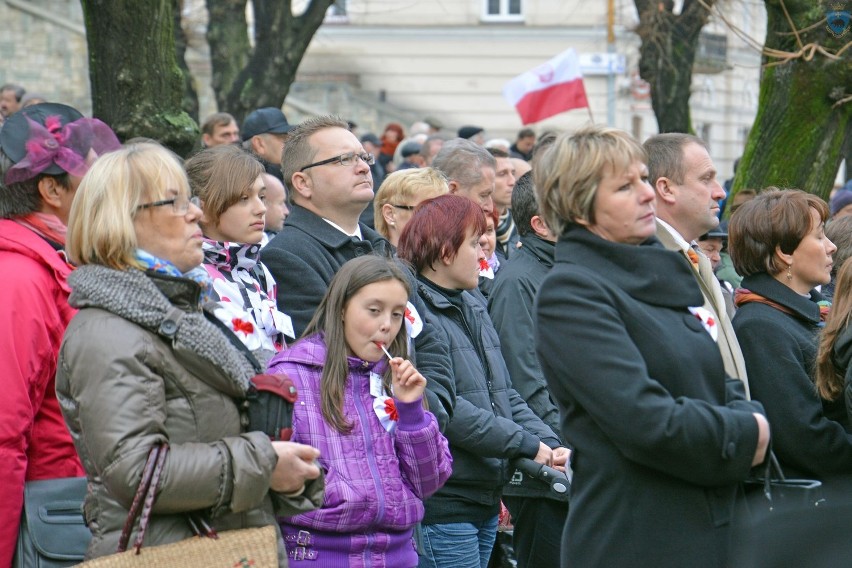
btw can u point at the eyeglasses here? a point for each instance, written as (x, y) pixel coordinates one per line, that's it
(347, 159)
(406, 207)
(180, 204)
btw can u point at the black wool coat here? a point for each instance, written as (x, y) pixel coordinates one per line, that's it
(780, 349)
(662, 438)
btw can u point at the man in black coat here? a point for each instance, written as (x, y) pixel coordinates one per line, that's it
(330, 182)
(538, 519)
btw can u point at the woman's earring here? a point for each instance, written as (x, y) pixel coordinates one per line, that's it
(789, 274)
(392, 224)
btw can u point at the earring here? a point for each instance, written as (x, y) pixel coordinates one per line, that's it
(392, 224)
(789, 274)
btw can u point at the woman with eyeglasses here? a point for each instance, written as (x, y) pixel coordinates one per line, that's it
(142, 363)
(400, 193)
(230, 189)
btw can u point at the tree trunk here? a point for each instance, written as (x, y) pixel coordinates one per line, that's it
(189, 101)
(798, 135)
(667, 56)
(227, 35)
(281, 41)
(137, 85)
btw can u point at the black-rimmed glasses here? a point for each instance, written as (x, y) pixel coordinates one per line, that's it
(406, 207)
(180, 204)
(347, 159)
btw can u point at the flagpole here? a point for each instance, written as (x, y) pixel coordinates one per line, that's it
(592, 118)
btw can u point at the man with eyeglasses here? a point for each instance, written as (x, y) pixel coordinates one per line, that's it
(328, 172)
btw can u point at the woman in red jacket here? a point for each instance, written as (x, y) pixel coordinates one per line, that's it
(44, 151)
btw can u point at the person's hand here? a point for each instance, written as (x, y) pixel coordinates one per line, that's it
(762, 439)
(408, 383)
(296, 464)
(561, 457)
(544, 455)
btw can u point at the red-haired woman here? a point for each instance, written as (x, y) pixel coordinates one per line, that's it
(491, 423)
(391, 138)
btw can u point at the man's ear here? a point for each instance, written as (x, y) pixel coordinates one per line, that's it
(540, 228)
(665, 190)
(205, 140)
(257, 145)
(453, 185)
(301, 184)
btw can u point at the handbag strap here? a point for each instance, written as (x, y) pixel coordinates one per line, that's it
(144, 494)
(150, 496)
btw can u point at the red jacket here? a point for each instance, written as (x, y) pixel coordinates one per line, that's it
(34, 312)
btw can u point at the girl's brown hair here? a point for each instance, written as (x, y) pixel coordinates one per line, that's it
(328, 319)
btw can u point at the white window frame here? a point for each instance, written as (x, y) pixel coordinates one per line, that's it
(504, 15)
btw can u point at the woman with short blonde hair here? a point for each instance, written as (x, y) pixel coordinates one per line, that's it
(400, 193)
(630, 359)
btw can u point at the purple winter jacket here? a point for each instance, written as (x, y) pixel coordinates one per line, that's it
(375, 481)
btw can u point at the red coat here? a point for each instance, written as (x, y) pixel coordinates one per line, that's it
(34, 312)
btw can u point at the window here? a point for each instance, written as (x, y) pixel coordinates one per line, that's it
(337, 13)
(503, 11)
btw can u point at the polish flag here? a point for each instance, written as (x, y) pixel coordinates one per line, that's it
(548, 89)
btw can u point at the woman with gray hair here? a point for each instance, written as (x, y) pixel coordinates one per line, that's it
(661, 438)
(142, 364)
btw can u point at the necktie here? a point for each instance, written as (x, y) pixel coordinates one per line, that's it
(693, 257)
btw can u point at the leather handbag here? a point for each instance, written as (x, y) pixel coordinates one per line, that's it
(772, 492)
(256, 547)
(53, 533)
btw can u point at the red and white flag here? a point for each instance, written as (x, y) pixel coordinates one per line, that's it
(548, 89)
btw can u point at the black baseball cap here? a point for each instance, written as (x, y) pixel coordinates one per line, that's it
(267, 120)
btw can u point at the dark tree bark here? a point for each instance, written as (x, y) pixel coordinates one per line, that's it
(189, 101)
(263, 75)
(137, 85)
(667, 55)
(227, 35)
(804, 113)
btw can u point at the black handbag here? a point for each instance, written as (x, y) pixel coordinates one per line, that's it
(772, 492)
(53, 533)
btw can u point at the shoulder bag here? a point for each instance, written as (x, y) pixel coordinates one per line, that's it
(53, 533)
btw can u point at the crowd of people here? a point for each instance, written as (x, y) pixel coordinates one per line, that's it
(448, 307)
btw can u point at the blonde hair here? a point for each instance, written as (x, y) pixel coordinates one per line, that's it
(567, 173)
(219, 176)
(405, 185)
(100, 225)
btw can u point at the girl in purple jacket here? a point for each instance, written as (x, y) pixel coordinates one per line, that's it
(361, 404)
